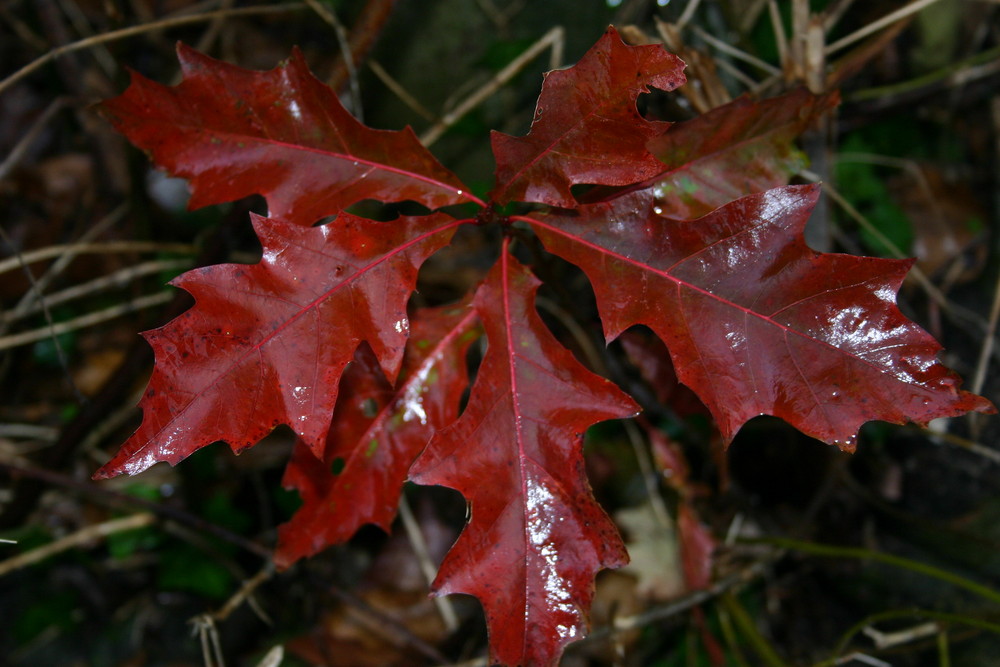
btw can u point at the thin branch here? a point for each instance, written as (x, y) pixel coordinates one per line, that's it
(112, 248)
(419, 544)
(834, 12)
(552, 38)
(80, 537)
(400, 92)
(214, 28)
(983, 363)
(987, 350)
(64, 260)
(29, 431)
(780, 39)
(50, 329)
(385, 625)
(957, 440)
(153, 26)
(932, 291)
(875, 26)
(29, 137)
(83, 321)
(365, 29)
(114, 498)
(739, 54)
(954, 74)
(118, 279)
(737, 73)
(245, 593)
(84, 29)
(688, 13)
(345, 52)
(649, 476)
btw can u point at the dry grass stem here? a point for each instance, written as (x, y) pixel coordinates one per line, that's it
(553, 39)
(427, 567)
(735, 53)
(982, 365)
(245, 593)
(83, 28)
(409, 100)
(689, 10)
(132, 31)
(116, 280)
(39, 286)
(884, 640)
(780, 39)
(875, 26)
(737, 74)
(919, 276)
(649, 477)
(29, 431)
(22, 146)
(79, 538)
(834, 12)
(110, 248)
(84, 321)
(331, 19)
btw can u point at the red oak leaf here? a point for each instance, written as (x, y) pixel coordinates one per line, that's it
(536, 536)
(756, 322)
(732, 151)
(376, 433)
(234, 132)
(586, 127)
(265, 344)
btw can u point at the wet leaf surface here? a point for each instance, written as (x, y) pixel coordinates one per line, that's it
(755, 321)
(283, 134)
(536, 536)
(376, 432)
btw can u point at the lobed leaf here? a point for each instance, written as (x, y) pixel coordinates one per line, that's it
(376, 433)
(586, 127)
(233, 132)
(734, 150)
(756, 322)
(536, 536)
(265, 344)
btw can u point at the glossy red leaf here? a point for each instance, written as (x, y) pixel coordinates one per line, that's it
(734, 150)
(265, 344)
(587, 128)
(283, 134)
(756, 322)
(376, 432)
(536, 536)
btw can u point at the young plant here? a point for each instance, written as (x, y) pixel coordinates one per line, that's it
(688, 229)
